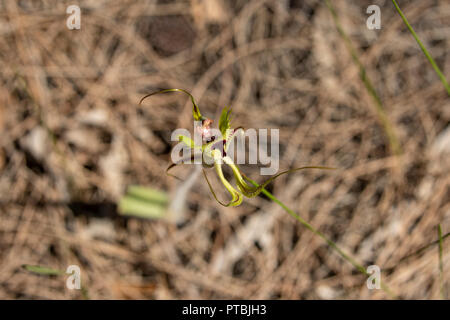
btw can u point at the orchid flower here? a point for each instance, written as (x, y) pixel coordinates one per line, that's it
(214, 154)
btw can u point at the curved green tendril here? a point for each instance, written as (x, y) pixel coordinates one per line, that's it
(195, 110)
(250, 191)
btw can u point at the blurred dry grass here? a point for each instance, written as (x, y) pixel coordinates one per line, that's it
(72, 139)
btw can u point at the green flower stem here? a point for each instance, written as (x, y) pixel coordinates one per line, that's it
(332, 244)
(424, 50)
(382, 116)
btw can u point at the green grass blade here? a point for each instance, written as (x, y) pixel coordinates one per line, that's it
(441, 263)
(381, 113)
(42, 270)
(419, 251)
(332, 244)
(422, 47)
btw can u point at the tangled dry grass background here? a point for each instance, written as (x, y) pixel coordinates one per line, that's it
(73, 137)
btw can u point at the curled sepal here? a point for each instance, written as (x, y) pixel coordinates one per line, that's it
(250, 191)
(236, 196)
(195, 110)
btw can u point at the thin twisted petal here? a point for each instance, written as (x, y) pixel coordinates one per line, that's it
(195, 109)
(252, 191)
